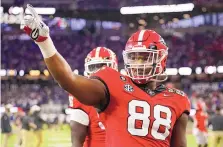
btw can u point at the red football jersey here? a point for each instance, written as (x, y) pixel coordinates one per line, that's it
(201, 121)
(88, 116)
(134, 118)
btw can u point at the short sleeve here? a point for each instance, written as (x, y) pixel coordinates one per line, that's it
(74, 103)
(79, 111)
(185, 105)
(79, 116)
(105, 75)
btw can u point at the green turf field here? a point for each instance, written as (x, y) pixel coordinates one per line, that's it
(51, 138)
(61, 138)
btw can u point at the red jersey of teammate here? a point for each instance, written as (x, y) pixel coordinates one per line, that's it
(89, 117)
(135, 118)
(200, 121)
(201, 117)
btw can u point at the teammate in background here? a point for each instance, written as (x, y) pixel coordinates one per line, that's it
(6, 128)
(87, 128)
(18, 126)
(55, 124)
(217, 124)
(139, 112)
(200, 124)
(38, 121)
(27, 125)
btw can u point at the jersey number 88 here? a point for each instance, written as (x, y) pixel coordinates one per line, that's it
(144, 117)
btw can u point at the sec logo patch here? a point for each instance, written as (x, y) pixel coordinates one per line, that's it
(128, 88)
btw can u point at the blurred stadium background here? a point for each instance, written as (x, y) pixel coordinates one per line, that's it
(193, 32)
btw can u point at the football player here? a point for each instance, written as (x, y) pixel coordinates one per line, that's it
(86, 128)
(200, 124)
(138, 111)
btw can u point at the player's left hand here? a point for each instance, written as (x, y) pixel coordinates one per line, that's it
(34, 26)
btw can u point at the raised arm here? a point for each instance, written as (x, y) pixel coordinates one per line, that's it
(87, 91)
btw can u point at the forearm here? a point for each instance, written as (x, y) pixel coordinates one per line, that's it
(77, 143)
(57, 65)
(60, 70)
(72, 83)
(89, 92)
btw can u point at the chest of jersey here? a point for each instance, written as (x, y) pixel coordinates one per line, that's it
(143, 116)
(201, 121)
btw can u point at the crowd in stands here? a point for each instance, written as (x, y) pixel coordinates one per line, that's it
(195, 50)
(198, 50)
(25, 95)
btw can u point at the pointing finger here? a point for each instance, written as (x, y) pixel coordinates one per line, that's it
(32, 10)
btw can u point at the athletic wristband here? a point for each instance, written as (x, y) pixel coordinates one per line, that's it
(47, 48)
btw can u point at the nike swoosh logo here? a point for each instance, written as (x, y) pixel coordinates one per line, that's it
(166, 95)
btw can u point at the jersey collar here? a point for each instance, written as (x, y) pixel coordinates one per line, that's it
(145, 89)
(158, 89)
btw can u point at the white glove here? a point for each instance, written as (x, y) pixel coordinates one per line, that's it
(39, 32)
(34, 26)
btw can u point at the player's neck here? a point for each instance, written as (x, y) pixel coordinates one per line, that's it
(149, 85)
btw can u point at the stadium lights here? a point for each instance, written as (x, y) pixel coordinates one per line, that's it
(21, 73)
(43, 11)
(46, 72)
(114, 38)
(171, 71)
(198, 70)
(1, 10)
(220, 69)
(210, 69)
(16, 10)
(2, 72)
(34, 72)
(11, 72)
(185, 71)
(157, 9)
